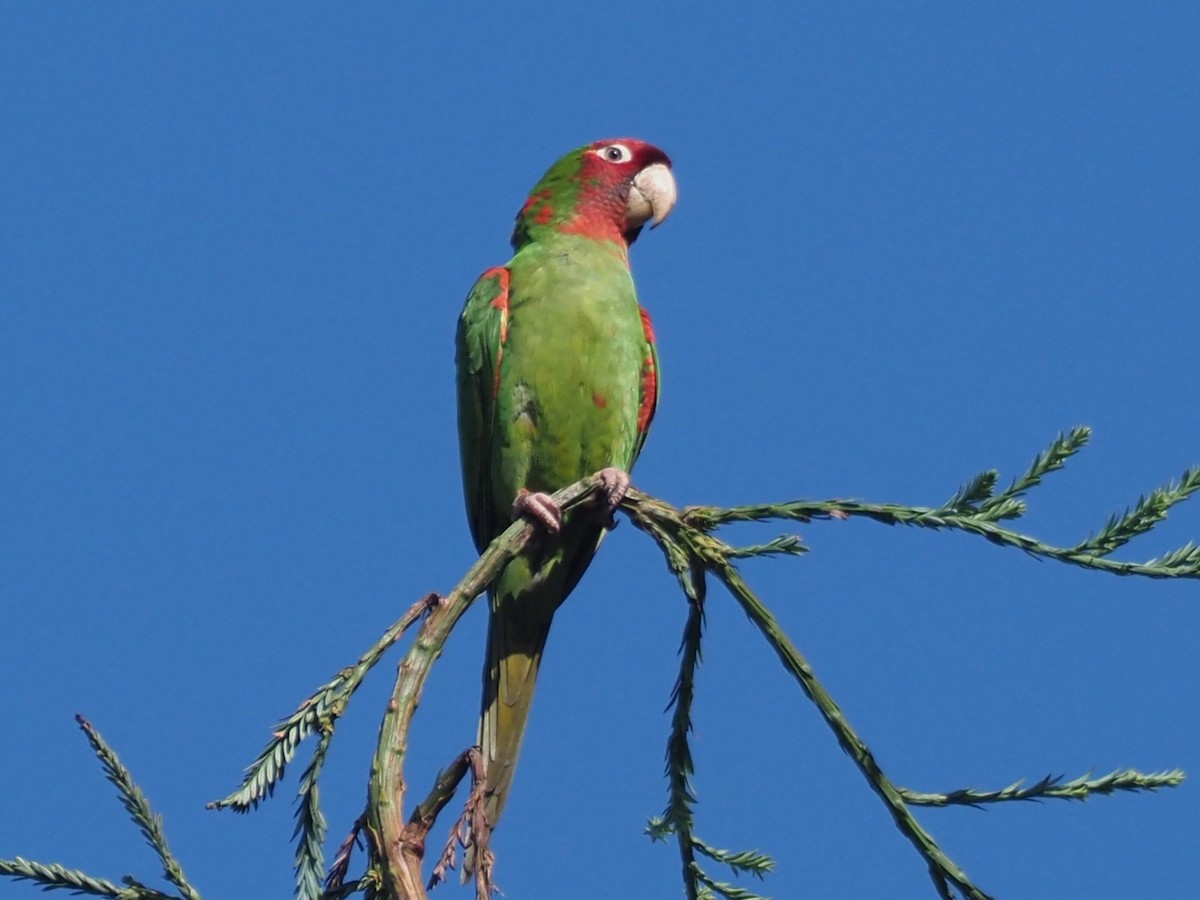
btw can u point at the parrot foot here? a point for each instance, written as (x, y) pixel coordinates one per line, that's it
(539, 508)
(614, 485)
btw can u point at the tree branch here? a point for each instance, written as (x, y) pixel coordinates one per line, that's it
(400, 847)
(692, 551)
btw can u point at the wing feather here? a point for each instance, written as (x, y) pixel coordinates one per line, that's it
(648, 386)
(479, 348)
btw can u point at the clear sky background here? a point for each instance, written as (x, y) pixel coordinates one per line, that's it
(912, 242)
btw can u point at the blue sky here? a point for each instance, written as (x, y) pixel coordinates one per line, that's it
(912, 242)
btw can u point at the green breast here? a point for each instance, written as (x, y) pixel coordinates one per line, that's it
(569, 375)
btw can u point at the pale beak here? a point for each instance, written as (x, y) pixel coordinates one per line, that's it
(651, 196)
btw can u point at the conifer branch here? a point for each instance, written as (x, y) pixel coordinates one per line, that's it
(340, 867)
(51, 877)
(1062, 448)
(742, 862)
(139, 810)
(56, 877)
(1052, 787)
(692, 551)
(470, 829)
(665, 523)
(325, 705)
(444, 786)
(1146, 513)
(678, 816)
(311, 826)
(784, 545)
(975, 510)
(710, 888)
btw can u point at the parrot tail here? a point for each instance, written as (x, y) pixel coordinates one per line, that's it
(514, 652)
(525, 598)
(514, 655)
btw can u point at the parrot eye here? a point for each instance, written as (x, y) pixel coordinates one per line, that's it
(615, 153)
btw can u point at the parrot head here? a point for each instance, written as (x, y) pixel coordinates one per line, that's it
(606, 190)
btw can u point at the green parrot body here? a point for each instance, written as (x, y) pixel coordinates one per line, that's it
(557, 379)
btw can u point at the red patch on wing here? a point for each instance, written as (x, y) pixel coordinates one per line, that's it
(500, 303)
(600, 400)
(649, 399)
(647, 325)
(649, 394)
(544, 214)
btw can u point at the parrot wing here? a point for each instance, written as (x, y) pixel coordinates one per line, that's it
(482, 331)
(649, 387)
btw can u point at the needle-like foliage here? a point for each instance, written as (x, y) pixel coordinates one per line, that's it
(1051, 787)
(693, 552)
(57, 877)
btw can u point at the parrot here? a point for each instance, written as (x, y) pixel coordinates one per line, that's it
(557, 373)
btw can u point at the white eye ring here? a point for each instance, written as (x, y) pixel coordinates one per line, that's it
(615, 153)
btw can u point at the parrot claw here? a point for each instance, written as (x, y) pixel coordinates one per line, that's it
(614, 485)
(538, 508)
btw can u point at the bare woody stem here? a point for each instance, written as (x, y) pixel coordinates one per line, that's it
(399, 846)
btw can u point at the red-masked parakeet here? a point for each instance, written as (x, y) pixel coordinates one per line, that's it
(557, 379)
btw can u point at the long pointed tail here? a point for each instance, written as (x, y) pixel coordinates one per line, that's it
(514, 652)
(515, 644)
(523, 603)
